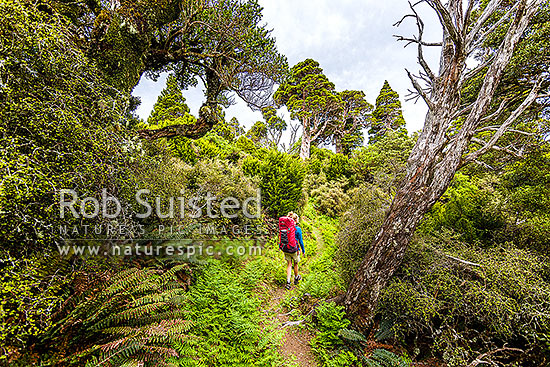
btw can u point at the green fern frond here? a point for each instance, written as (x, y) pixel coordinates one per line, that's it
(384, 358)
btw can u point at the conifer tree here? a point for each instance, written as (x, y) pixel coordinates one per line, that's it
(258, 133)
(355, 115)
(388, 114)
(170, 108)
(229, 130)
(310, 98)
(275, 126)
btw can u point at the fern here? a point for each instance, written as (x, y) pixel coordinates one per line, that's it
(134, 319)
(384, 358)
(230, 329)
(351, 335)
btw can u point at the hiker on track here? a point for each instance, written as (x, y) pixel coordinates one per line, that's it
(291, 242)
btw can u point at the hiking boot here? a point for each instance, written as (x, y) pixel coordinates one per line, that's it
(288, 285)
(297, 279)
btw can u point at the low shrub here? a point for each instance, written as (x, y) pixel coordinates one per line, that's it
(338, 166)
(467, 309)
(358, 227)
(471, 207)
(330, 198)
(280, 178)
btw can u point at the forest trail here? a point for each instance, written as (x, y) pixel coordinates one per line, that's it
(296, 340)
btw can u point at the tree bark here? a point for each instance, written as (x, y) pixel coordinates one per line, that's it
(305, 147)
(206, 121)
(422, 187)
(441, 147)
(338, 144)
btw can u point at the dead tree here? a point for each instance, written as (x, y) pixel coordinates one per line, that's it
(443, 146)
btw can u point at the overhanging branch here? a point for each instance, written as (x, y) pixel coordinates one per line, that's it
(205, 122)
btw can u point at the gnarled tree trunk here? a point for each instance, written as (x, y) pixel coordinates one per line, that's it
(443, 146)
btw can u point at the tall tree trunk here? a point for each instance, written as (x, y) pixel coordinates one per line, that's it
(441, 147)
(305, 147)
(423, 186)
(338, 144)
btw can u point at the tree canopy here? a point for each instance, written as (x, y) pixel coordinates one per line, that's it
(388, 115)
(222, 43)
(310, 98)
(170, 108)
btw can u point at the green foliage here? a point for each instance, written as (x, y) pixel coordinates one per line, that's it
(338, 166)
(227, 320)
(470, 207)
(310, 98)
(57, 118)
(144, 36)
(280, 179)
(170, 108)
(330, 198)
(347, 129)
(344, 358)
(358, 227)
(245, 144)
(275, 126)
(258, 133)
(230, 131)
(387, 115)
(331, 318)
(384, 162)
(384, 358)
(330, 321)
(527, 188)
(30, 293)
(222, 180)
(133, 318)
(469, 309)
(209, 146)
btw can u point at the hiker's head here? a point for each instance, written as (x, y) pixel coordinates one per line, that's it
(294, 216)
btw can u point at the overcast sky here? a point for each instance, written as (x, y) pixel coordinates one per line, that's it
(351, 39)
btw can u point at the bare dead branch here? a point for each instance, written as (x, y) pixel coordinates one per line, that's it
(446, 20)
(476, 42)
(421, 92)
(479, 359)
(399, 22)
(462, 111)
(496, 69)
(418, 40)
(471, 73)
(483, 164)
(506, 124)
(489, 10)
(497, 148)
(497, 113)
(468, 14)
(495, 128)
(400, 38)
(421, 60)
(462, 261)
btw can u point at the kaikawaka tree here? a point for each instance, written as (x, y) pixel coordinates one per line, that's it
(324, 113)
(387, 115)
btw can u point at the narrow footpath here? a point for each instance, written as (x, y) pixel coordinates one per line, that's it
(296, 341)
